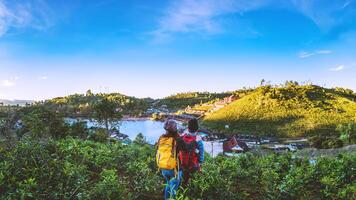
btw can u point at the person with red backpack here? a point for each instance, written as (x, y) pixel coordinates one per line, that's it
(191, 154)
(167, 159)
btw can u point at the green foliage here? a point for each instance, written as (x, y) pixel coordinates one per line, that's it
(106, 112)
(99, 135)
(109, 186)
(42, 122)
(274, 177)
(75, 169)
(79, 105)
(326, 142)
(292, 110)
(8, 120)
(79, 129)
(140, 139)
(2, 125)
(327, 179)
(347, 132)
(182, 100)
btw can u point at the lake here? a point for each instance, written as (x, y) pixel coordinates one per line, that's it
(152, 130)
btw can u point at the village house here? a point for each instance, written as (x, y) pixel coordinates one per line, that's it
(227, 100)
(164, 109)
(233, 145)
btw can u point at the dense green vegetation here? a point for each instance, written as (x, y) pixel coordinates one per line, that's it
(182, 100)
(80, 105)
(288, 111)
(78, 169)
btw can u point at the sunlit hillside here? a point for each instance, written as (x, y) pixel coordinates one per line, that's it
(286, 111)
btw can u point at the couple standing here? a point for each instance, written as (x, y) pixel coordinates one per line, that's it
(178, 156)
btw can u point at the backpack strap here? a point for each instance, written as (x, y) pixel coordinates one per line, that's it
(157, 147)
(174, 153)
(192, 148)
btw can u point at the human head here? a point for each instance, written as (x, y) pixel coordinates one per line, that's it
(170, 126)
(193, 125)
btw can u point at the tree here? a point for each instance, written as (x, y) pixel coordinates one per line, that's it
(79, 129)
(107, 112)
(140, 139)
(44, 122)
(7, 120)
(89, 93)
(263, 81)
(347, 132)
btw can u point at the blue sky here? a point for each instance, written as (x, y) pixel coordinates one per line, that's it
(154, 48)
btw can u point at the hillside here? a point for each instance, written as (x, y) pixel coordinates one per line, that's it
(82, 104)
(291, 110)
(182, 100)
(15, 102)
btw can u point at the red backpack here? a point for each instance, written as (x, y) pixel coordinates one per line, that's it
(187, 154)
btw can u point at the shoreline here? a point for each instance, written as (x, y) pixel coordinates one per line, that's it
(128, 118)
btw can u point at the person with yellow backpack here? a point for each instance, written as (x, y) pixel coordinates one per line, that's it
(167, 159)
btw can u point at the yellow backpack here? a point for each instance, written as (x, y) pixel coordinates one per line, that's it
(166, 157)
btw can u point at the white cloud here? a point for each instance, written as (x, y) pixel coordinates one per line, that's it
(338, 68)
(323, 52)
(33, 14)
(326, 15)
(347, 3)
(43, 78)
(306, 54)
(183, 16)
(9, 82)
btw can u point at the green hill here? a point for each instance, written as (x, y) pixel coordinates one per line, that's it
(81, 105)
(182, 100)
(287, 111)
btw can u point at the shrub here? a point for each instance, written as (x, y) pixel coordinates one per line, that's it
(75, 169)
(99, 135)
(109, 187)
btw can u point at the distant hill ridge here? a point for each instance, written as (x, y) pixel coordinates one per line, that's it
(292, 110)
(15, 102)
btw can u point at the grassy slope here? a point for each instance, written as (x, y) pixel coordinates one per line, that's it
(288, 111)
(182, 100)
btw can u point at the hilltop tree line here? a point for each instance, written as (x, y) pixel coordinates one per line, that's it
(83, 105)
(182, 100)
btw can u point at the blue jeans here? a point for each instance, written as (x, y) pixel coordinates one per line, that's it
(172, 183)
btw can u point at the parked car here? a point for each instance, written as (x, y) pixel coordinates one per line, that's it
(292, 147)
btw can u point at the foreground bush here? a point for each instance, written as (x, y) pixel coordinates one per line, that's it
(76, 169)
(275, 177)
